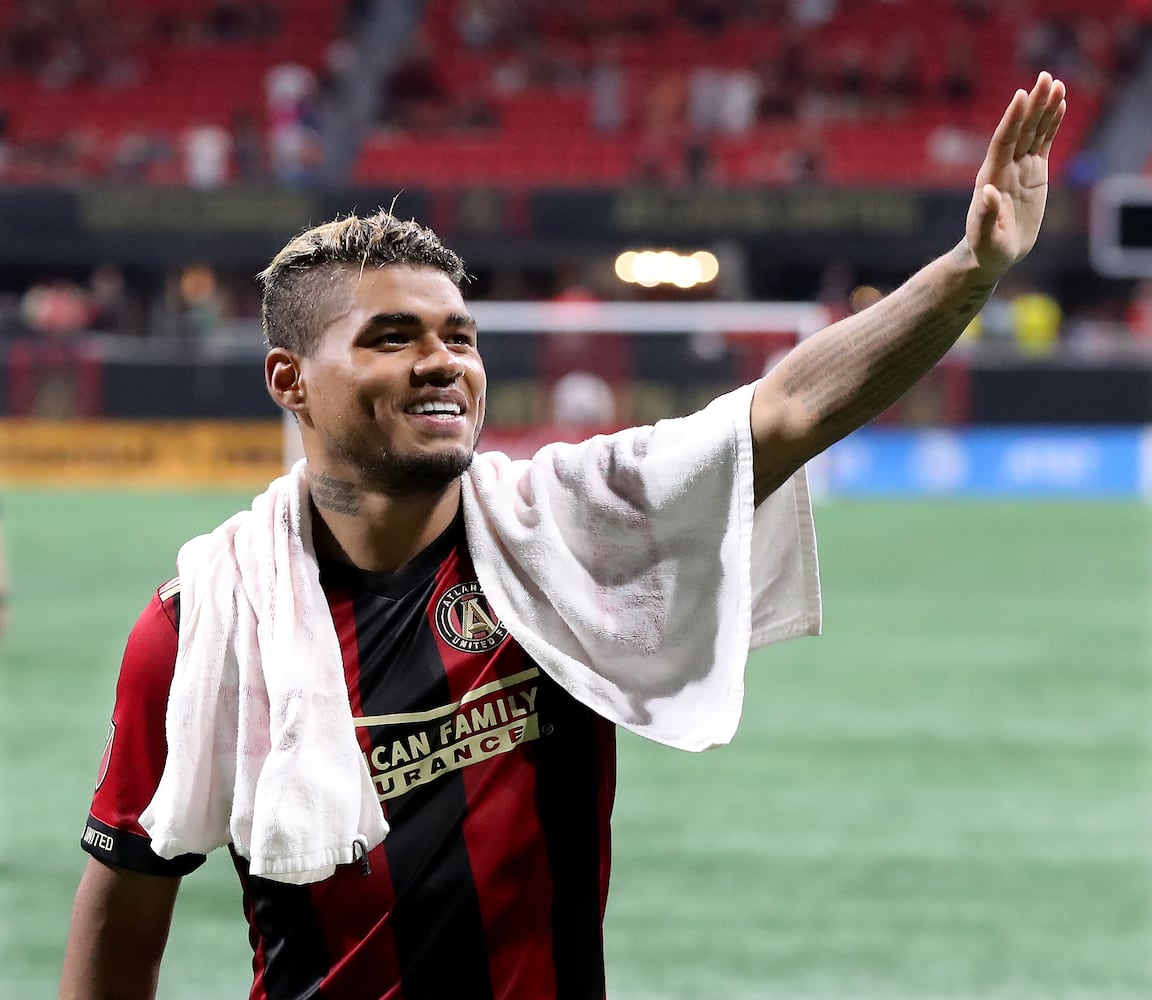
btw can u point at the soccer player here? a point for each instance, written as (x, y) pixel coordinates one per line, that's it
(485, 743)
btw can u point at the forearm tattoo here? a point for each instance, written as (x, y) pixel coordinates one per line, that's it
(334, 494)
(845, 380)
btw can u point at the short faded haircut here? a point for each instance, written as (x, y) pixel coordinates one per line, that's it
(298, 284)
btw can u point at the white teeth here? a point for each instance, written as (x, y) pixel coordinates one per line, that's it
(437, 407)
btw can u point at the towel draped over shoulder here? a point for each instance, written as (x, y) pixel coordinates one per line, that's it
(633, 568)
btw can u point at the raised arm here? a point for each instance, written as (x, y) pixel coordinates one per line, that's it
(120, 922)
(843, 376)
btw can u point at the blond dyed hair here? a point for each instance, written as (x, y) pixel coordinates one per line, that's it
(302, 284)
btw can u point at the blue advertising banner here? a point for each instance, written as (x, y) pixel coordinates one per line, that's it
(1020, 462)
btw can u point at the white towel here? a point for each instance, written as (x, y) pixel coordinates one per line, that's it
(635, 569)
(262, 750)
(632, 568)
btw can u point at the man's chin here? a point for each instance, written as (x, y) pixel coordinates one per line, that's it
(422, 472)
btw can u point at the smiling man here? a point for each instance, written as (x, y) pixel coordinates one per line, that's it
(386, 382)
(390, 689)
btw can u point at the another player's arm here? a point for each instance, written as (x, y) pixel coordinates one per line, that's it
(840, 378)
(120, 922)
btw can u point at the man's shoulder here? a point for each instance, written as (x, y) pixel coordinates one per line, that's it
(161, 616)
(150, 652)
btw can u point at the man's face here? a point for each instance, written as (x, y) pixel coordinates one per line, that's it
(394, 393)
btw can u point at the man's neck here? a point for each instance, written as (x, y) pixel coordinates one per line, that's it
(374, 531)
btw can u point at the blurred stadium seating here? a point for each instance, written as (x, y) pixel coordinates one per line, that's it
(515, 106)
(86, 84)
(154, 153)
(871, 129)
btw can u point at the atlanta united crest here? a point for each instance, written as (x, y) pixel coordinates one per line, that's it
(466, 622)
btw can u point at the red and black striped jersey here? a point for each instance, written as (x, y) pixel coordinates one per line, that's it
(496, 783)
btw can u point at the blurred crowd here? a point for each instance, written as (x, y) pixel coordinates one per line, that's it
(65, 43)
(79, 55)
(581, 45)
(191, 305)
(651, 75)
(473, 55)
(622, 59)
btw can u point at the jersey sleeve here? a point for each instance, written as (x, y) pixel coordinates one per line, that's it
(136, 749)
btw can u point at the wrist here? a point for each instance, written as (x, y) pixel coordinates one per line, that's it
(984, 273)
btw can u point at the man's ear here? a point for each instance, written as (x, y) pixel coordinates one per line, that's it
(284, 379)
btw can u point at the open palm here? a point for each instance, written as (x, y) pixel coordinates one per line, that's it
(1012, 184)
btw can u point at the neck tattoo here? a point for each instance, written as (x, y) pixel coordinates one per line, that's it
(334, 494)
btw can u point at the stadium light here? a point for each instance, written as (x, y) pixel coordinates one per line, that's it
(667, 267)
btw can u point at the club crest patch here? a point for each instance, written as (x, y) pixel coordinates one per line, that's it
(466, 622)
(106, 759)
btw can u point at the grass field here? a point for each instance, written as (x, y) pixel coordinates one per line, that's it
(947, 797)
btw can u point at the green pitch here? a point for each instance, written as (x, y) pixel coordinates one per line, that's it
(947, 797)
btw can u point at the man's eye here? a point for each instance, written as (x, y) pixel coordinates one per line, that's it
(461, 338)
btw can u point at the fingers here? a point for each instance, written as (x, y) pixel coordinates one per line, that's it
(1048, 127)
(1042, 115)
(1046, 144)
(1029, 123)
(1002, 149)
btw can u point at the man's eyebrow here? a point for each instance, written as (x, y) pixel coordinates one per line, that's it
(453, 319)
(393, 319)
(459, 319)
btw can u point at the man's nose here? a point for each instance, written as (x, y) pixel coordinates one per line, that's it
(438, 363)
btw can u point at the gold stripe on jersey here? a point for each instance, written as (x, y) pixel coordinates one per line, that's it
(436, 713)
(170, 589)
